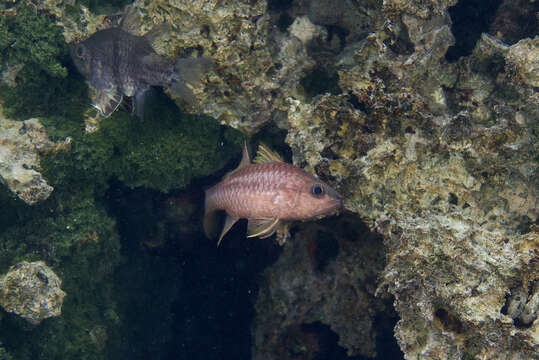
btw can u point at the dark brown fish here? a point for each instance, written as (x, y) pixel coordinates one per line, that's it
(269, 193)
(119, 64)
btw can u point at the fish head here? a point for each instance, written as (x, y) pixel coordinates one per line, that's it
(81, 58)
(93, 58)
(316, 199)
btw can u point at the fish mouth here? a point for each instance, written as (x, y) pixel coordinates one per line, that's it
(333, 208)
(337, 207)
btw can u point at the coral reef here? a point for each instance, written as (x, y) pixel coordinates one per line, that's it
(32, 291)
(442, 161)
(523, 59)
(326, 274)
(427, 127)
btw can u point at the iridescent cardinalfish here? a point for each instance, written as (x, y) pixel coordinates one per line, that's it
(119, 64)
(269, 193)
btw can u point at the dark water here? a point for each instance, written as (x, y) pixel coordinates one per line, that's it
(188, 298)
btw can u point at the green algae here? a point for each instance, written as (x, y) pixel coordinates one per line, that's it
(75, 235)
(33, 49)
(72, 231)
(161, 152)
(37, 41)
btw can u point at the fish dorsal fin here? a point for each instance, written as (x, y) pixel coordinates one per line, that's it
(262, 228)
(245, 161)
(265, 155)
(245, 158)
(229, 222)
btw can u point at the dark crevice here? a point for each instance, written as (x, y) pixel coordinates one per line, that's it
(470, 18)
(320, 82)
(188, 292)
(326, 250)
(401, 44)
(515, 20)
(340, 32)
(453, 199)
(449, 321)
(279, 5)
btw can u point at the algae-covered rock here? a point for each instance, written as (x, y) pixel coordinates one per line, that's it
(325, 275)
(441, 160)
(32, 291)
(436, 153)
(21, 143)
(523, 57)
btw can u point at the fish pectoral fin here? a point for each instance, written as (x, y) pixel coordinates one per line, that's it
(265, 155)
(262, 228)
(229, 222)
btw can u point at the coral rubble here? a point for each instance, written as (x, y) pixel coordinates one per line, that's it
(20, 145)
(32, 291)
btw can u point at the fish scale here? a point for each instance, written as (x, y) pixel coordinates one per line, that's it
(268, 193)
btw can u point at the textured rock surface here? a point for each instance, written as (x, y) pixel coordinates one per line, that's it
(523, 57)
(32, 291)
(326, 274)
(441, 159)
(256, 66)
(20, 145)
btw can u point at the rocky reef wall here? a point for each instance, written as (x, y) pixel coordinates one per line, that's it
(423, 115)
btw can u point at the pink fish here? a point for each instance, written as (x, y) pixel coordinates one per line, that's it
(269, 193)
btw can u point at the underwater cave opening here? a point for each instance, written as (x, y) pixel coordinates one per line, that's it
(181, 296)
(470, 18)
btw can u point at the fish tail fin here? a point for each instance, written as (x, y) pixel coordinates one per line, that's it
(211, 220)
(211, 224)
(189, 72)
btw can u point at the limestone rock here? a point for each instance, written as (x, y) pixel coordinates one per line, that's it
(20, 145)
(325, 275)
(523, 59)
(32, 291)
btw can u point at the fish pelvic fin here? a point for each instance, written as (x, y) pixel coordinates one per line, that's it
(229, 222)
(188, 74)
(265, 155)
(107, 101)
(262, 228)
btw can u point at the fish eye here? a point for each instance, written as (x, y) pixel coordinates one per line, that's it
(79, 51)
(317, 190)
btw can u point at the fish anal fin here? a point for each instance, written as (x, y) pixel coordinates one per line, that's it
(262, 228)
(229, 222)
(245, 160)
(265, 155)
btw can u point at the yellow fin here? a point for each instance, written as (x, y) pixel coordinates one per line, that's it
(264, 155)
(245, 160)
(262, 228)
